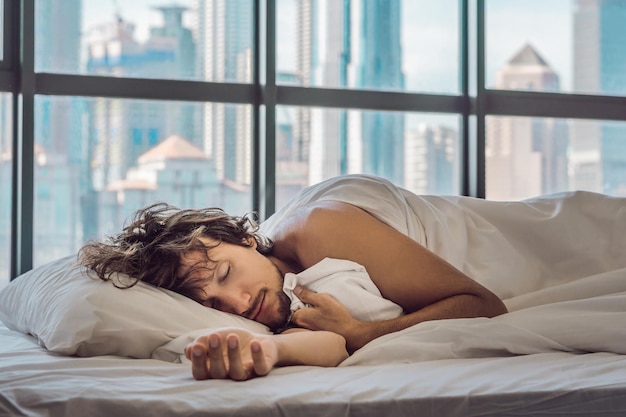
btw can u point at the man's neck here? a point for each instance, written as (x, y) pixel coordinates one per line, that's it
(284, 266)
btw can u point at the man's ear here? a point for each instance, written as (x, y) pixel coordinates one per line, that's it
(251, 241)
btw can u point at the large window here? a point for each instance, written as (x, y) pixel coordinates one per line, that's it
(242, 103)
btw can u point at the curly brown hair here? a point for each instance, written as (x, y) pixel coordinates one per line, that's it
(150, 248)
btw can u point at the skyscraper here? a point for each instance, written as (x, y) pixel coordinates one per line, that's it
(379, 66)
(357, 45)
(431, 155)
(60, 186)
(330, 42)
(57, 49)
(525, 156)
(306, 46)
(224, 54)
(599, 148)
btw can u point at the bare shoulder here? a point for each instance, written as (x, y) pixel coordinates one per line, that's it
(324, 215)
(340, 230)
(317, 224)
(319, 230)
(299, 232)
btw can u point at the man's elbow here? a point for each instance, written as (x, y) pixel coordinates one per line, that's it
(493, 306)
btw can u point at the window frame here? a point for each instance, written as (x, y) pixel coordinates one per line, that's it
(264, 95)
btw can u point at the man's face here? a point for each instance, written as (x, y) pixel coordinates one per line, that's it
(242, 281)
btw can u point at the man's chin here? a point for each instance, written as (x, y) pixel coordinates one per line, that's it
(284, 312)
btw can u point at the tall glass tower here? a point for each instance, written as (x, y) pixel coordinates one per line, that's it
(380, 67)
(526, 156)
(357, 45)
(599, 149)
(60, 186)
(224, 54)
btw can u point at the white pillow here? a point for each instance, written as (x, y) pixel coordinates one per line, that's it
(72, 312)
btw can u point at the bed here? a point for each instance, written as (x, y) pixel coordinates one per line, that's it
(72, 345)
(36, 382)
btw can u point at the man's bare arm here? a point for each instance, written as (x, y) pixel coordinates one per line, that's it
(328, 314)
(234, 353)
(422, 283)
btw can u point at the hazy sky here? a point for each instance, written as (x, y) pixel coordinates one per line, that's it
(428, 31)
(546, 24)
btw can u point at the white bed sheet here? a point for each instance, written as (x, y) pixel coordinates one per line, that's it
(35, 382)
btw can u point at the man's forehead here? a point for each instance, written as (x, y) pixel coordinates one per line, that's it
(196, 261)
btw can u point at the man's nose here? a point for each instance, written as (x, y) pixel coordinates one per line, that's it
(239, 301)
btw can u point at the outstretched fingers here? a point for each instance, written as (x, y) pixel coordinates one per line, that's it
(259, 361)
(216, 357)
(237, 371)
(207, 359)
(225, 356)
(197, 354)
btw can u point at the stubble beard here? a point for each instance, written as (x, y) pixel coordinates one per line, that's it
(284, 312)
(284, 305)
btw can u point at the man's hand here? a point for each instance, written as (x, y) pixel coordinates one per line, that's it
(232, 353)
(326, 313)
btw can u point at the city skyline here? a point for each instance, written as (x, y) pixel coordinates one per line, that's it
(349, 74)
(91, 171)
(514, 23)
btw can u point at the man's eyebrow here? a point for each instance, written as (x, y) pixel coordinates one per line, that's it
(202, 267)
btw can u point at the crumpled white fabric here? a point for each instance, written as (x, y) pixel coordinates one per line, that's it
(511, 248)
(349, 283)
(587, 315)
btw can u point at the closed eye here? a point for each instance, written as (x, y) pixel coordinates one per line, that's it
(225, 275)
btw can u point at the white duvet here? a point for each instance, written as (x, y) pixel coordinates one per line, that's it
(558, 262)
(578, 319)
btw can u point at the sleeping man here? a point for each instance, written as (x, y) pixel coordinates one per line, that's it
(416, 250)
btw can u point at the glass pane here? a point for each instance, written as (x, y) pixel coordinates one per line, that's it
(398, 45)
(192, 39)
(418, 151)
(526, 157)
(98, 160)
(6, 177)
(574, 46)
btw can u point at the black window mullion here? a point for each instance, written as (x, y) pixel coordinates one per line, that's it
(267, 155)
(477, 180)
(22, 210)
(143, 88)
(464, 84)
